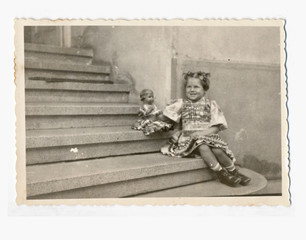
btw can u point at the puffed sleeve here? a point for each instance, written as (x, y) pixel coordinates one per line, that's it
(173, 110)
(217, 117)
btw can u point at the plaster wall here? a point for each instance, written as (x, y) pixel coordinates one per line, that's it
(142, 54)
(146, 53)
(242, 44)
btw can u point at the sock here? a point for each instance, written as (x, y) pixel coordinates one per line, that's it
(217, 167)
(230, 167)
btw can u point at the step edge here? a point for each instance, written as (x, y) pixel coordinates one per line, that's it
(85, 139)
(116, 176)
(77, 86)
(66, 67)
(79, 110)
(258, 187)
(62, 76)
(45, 48)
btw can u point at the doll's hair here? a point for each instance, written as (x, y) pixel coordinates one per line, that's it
(202, 76)
(144, 93)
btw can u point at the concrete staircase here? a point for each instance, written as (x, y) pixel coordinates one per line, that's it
(79, 142)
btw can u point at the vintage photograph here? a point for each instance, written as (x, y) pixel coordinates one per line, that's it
(145, 112)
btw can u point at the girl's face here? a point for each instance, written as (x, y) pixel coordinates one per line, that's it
(194, 89)
(149, 98)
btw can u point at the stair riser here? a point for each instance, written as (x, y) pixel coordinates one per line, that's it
(37, 56)
(66, 67)
(76, 86)
(51, 49)
(68, 153)
(61, 76)
(74, 96)
(52, 122)
(83, 136)
(65, 110)
(132, 187)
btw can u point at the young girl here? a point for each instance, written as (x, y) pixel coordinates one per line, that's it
(148, 113)
(201, 119)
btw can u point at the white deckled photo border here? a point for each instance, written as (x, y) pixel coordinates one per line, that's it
(284, 199)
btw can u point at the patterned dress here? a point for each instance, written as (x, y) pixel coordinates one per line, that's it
(148, 122)
(195, 117)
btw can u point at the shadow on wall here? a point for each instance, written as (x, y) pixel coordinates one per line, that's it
(125, 77)
(269, 169)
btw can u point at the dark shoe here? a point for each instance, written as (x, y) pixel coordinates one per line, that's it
(227, 178)
(244, 179)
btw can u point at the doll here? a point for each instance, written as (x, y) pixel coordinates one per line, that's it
(148, 121)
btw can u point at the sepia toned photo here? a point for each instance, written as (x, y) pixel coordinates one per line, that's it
(151, 112)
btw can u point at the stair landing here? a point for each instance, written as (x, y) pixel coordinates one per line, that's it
(213, 188)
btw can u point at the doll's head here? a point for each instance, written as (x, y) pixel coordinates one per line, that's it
(147, 96)
(196, 84)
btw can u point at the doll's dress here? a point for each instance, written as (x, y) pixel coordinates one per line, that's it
(193, 117)
(148, 122)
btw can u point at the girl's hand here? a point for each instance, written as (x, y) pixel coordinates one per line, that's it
(158, 113)
(161, 117)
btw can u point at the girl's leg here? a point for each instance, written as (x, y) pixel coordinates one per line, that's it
(211, 160)
(223, 159)
(229, 165)
(209, 157)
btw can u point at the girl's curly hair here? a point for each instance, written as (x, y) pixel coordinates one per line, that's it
(202, 76)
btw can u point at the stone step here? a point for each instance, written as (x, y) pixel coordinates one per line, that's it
(67, 137)
(61, 76)
(48, 109)
(79, 115)
(74, 96)
(84, 121)
(77, 86)
(44, 48)
(59, 54)
(213, 188)
(42, 91)
(114, 176)
(66, 67)
(55, 145)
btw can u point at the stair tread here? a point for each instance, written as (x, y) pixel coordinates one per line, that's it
(77, 86)
(62, 76)
(69, 175)
(76, 136)
(44, 48)
(80, 131)
(80, 108)
(67, 67)
(213, 188)
(77, 104)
